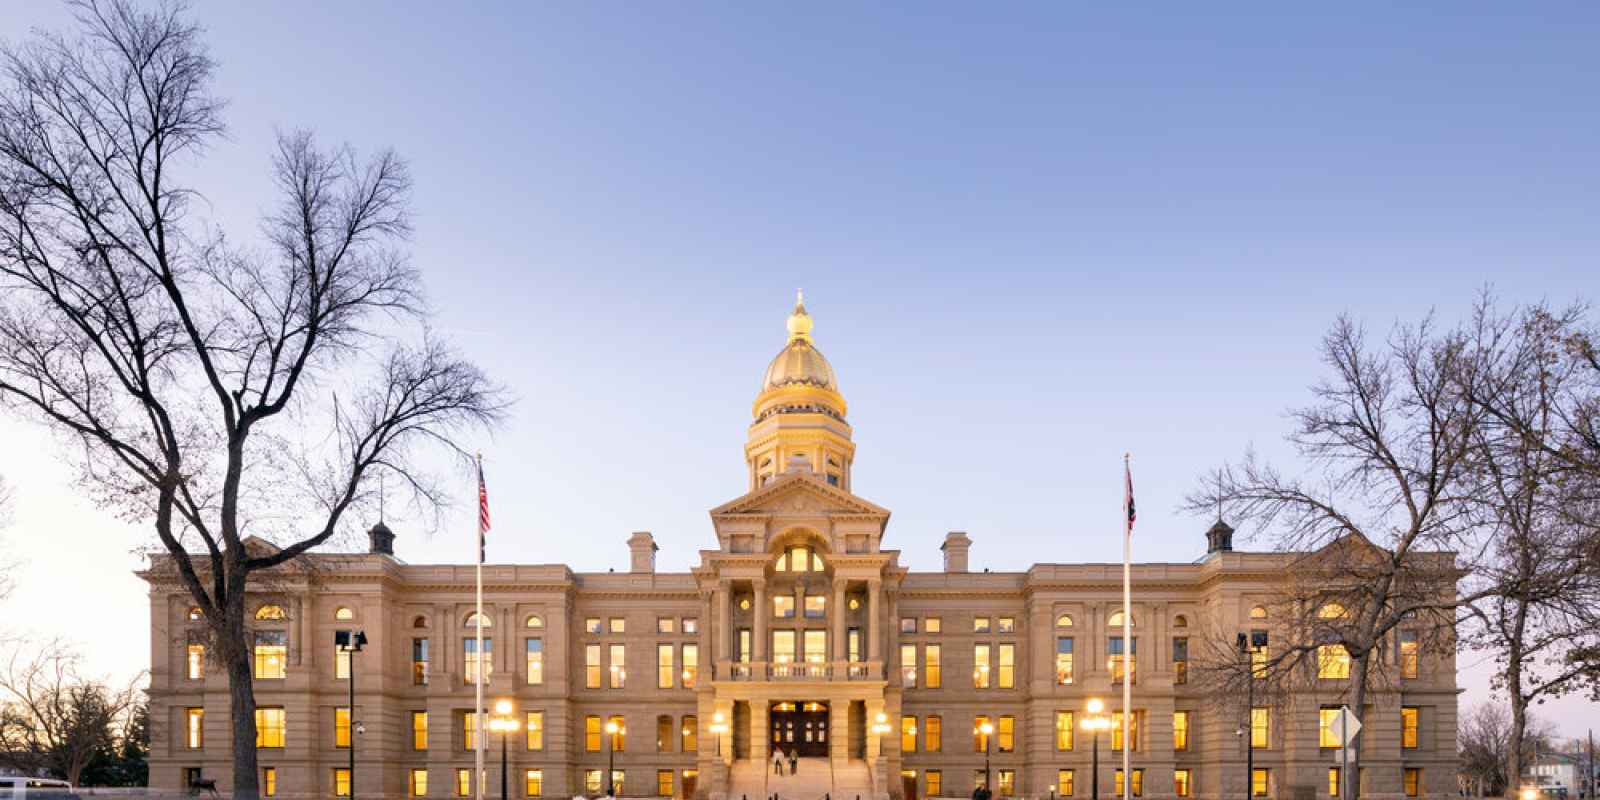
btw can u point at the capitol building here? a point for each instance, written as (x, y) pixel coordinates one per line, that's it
(798, 629)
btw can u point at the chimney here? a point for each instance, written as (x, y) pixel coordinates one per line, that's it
(381, 540)
(955, 549)
(642, 551)
(1220, 538)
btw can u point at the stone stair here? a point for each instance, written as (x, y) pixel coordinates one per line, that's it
(748, 780)
(853, 779)
(812, 779)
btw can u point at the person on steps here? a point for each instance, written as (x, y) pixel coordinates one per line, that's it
(777, 761)
(794, 761)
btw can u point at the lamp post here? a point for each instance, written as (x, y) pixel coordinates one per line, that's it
(880, 728)
(350, 643)
(1255, 639)
(719, 726)
(505, 725)
(988, 778)
(612, 729)
(1094, 723)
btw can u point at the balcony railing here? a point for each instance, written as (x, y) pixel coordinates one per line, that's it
(801, 671)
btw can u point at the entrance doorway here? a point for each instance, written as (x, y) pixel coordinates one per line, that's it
(800, 727)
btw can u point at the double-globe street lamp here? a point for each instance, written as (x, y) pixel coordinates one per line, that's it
(612, 731)
(349, 643)
(504, 724)
(1248, 646)
(1095, 722)
(987, 729)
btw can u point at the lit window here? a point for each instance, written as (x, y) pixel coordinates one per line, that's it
(269, 781)
(469, 730)
(270, 725)
(1333, 781)
(816, 606)
(195, 614)
(271, 612)
(617, 625)
(1328, 727)
(1260, 727)
(535, 727)
(1258, 654)
(1064, 621)
(271, 654)
(691, 665)
(1115, 621)
(932, 625)
(783, 606)
(1064, 782)
(689, 735)
(592, 625)
(1180, 782)
(1063, 660)
(341, 727)
(980, 740)
(908, 734)
(533, 783)
(1007, 778)
(476, 620)
(463, 782)
(418, 782)
(341, 782)
(1331, 611)
(344, 613)
(1333, 661)
(1007, 734)
(475, 664)
(980, 666)
(1260, 779)
(908, 666)
(196, 723)
(1063, 730)
(419, 730)
(534, 621)
(691, 625)
(619, 733)
(535, 661)
(935, 783)
(664, 733)
(1008, 625)
(419, 662)
(933, 734)
(195, 666)
(341, 660)
(1180, 660)
(1408, 727)
(1258, 612)
(591, 666)
(934, 672)
(1180, 730)
(1116, 660)
(1413, 782)
(666, 625)
(664, 782)
(592, 782)
(591, 734)
(664, 666)
(1116, 729)
(617, 667)
(816, 646)
(1409, 651)
(980, 624)
(1138, 783)
(1008, 666)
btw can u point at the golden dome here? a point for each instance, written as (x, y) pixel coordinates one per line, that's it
(800, 362)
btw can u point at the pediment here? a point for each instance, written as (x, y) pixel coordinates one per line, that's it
(799, 495)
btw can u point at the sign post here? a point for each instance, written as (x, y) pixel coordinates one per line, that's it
(1349, 726)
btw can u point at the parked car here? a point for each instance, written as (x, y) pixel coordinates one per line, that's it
(36, 788)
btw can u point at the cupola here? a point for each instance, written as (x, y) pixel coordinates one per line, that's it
(799, 413)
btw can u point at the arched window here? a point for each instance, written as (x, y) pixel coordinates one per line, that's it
(1116, 620)
(1180, 621)
(798, 559)
(194, 613)
(1258, 612)
(271, 612)
(1064, 621)
(419, 622)
(535, 621)
(1332, 611)
(344, 612)
(476, 620)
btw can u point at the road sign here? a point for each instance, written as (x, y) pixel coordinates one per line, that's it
(1346, 726)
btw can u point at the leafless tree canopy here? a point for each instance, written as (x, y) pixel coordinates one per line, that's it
(214, 389)
(51, 717)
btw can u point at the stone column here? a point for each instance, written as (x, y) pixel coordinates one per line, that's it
(762, 614)
(874, 634)
(724, 632)
(836, 621)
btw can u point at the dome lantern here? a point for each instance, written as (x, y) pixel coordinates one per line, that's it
(799, 411)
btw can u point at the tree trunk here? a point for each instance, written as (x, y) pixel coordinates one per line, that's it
(1350, 782)
(1519, 701)
(237, 654)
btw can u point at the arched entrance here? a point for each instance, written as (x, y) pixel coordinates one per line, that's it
(800, 727)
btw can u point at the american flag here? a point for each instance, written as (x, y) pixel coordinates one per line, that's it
(1127, 499)
(483, 512)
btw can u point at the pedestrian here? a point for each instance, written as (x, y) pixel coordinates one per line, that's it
(777, 761)
(794, 761)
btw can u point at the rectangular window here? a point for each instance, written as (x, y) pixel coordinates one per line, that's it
(1064, 782)
(1180, 782)
(932, 625)
(664, 668)
(908, 666)
(617, 625)
(618, 779)
(691, 625)
(1008, 782)
(816, 646)
(534, 724)
(463, 782)
(1260, 781)
(419, 663)
(1333, 661)
(664, 783)
(419, 730)
(980, 666)
(1008, 666)
(1180, 660)
(783, 647)
(1116, 661)
(1138, 783)
(935, 783)
(1116, 729)
(417, 784)
(271, 654)
(1008, 625)
(341, 782)
(666, 624)
(1333, 781)
(1007, 733)
(1063, 660)
(270, 725)
(469, 730)
(908, 734)
(691, 665)
(908, 624)
(664, 735)
(533, 783)
(591, 734)
(1408, 727)
(619, 739)
(1328, 727)
(341, 727)
(934, 675)
(980, 778)
(1063, 730)
(816, 606)
(195, 719)
(783, 606)
(593, 782)
(980, 740)
(591, 666)
(744, 645)
(1258, 654)
(1413, 782)
(535, 661)
(1260, 728)
(195, 666)
(980, 624)
(933, 733)
(474, 664)
(617, 666)
(592, 625)
(341, 661)
(689, 734)
(1410, 649)
(1180, 730)
(269, 781)
(853, 644)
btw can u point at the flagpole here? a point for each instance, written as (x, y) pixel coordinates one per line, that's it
(477, 626)
(1129, 659)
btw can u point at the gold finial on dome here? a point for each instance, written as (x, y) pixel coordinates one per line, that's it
(799, 321)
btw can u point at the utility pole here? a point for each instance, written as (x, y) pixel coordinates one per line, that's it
(1590, 776)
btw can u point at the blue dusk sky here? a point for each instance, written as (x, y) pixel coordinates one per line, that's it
(1032, 238)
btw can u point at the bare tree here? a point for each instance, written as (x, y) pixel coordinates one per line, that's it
(221, 393)
(51, 717)
(1540, 609)
(1483, 739)
(1377, 508)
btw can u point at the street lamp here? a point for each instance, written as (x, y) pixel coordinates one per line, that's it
(1245, 643)
(505, 725)
(719, 726)
(350, 643)
(1094, 723)
(988, 779)
(612, 729)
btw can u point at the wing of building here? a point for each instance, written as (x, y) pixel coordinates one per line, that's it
(799, 634)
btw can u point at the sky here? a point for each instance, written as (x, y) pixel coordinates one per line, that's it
(1033, 237)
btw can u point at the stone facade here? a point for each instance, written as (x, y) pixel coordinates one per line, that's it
(799, 625)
